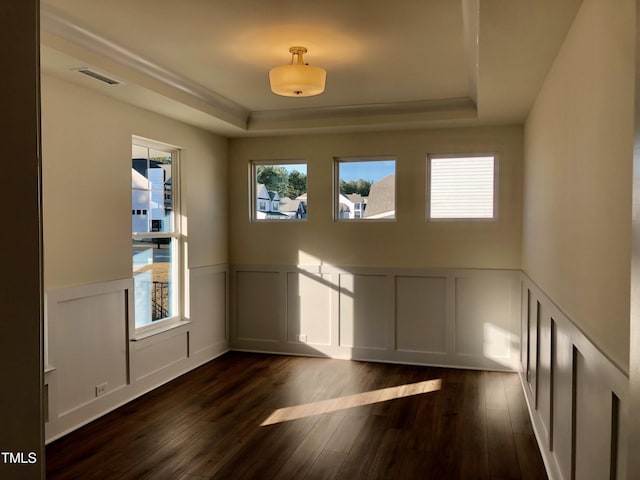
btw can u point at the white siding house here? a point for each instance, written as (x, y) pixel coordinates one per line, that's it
(267, 204)
(139, 202)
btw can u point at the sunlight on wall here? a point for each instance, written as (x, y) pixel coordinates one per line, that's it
(306, 260)
(183, 221)
(351, 401)
(498, 343)
(311, 312)
(186, 285)
(312, 307)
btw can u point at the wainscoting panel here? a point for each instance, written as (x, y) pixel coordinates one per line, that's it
(93, 332)
(524, 329)
(484, 311)
(309, 308)
(208, 308)
(577, 397)
(460, 318)
(363, 311)
(545, 371)
(421, 314)
(593, 423)
(562, 401)
(88, 344)
(532, 347)
(260, 312)
(159, 352)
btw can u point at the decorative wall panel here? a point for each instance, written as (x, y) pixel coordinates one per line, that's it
(577, 397)
(208, 308)
(259, 307)
(461, 318)
(363, 311)
(421, 314)
(93, 362)
(309, 308)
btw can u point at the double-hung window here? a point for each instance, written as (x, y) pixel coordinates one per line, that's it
(155, 233)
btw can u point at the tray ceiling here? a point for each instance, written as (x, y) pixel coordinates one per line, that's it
(408, 64)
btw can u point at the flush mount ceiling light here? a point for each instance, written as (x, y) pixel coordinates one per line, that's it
(297, 79)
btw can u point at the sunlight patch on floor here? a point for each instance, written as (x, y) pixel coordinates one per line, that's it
(350, 401)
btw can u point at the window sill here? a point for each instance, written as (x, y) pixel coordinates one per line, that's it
(462, 219)
(366, 220)
(157, 330)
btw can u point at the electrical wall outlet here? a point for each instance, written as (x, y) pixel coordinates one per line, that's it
(101, 389)
(302, 338)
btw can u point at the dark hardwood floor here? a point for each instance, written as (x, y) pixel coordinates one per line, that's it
(349, 422)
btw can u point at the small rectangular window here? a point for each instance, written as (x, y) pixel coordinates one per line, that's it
(461, 187)
(279, 191)
(366, 189)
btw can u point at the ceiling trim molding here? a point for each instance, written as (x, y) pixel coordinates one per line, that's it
(176, 87)
(360, 115)
(471, 31)
(61, 26)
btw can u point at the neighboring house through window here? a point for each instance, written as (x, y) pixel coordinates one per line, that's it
(461, 187)
(155, 260)
(366, 189)
(280, 191)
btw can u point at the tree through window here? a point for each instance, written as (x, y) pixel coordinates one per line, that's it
(280, 191)
(366, 189)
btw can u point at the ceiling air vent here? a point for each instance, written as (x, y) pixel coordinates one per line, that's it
(98, 76)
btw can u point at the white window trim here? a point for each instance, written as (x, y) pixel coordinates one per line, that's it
(496, 176)
(154, 329)
(336, 187)
(178, 268)
(253, 181)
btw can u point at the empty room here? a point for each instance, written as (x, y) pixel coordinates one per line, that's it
(347, 239)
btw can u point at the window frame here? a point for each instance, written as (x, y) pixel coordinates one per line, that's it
(428, 190)
(253, 182)
(177, 294)
(336, 188)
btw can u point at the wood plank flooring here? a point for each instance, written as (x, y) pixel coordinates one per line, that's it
(207, 424)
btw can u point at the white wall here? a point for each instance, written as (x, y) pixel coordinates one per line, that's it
(410, 241)
(87, 253)
(400, 291)
(577, 176)
(87, 189)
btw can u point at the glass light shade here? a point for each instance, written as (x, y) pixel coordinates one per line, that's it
(297, 80)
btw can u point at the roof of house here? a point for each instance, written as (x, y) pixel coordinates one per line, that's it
(261, 192)
(382, 196)
(356, 197)
(288, 205)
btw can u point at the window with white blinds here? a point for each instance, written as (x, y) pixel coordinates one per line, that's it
(461, 187)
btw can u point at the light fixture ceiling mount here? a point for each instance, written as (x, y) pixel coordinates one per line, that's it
(297, 79)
